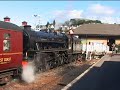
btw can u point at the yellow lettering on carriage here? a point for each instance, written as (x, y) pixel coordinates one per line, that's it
(5, 60)
(1, 59)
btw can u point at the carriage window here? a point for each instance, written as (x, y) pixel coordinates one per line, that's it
(6, 42)
(6, 36)
(6, 45)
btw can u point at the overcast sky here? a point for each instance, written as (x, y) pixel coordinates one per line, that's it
(18, 11)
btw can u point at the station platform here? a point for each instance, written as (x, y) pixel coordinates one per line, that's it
(103, 75)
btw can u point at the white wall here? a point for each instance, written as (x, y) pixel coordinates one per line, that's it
(95, 45)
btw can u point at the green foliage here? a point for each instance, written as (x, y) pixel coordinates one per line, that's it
(66, 23)
(75, 22)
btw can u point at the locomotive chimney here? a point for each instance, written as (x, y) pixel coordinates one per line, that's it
(6, 19)
(24, 23)
(27, 27)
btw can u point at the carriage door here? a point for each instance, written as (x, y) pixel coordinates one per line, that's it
(6, 47)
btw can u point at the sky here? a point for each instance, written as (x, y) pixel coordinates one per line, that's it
(60, 11)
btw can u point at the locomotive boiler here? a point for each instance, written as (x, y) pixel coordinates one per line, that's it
(49, 40)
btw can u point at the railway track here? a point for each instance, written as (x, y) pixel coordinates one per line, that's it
(53, 79)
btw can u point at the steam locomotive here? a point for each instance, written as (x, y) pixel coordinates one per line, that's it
(45, 48)
(20, 45)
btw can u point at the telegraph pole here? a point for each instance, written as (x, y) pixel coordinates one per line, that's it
(37, 18)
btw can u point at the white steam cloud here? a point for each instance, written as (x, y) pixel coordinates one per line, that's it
(28, 74)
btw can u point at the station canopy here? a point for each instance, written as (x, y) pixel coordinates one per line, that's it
(102, 30)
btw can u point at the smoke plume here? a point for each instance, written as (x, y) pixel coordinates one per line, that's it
(28, 74)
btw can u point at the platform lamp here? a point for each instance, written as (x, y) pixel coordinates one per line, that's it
(71, 35)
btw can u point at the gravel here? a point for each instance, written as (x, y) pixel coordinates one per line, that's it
(54, 79)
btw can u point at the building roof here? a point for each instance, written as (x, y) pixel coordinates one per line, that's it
(10, 26)
(98, 29)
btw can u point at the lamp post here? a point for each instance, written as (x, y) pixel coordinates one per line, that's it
(37, 17)
(35, 21)
(71, 35)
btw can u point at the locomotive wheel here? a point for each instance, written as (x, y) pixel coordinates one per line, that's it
(61, 60)
(38, 61)
(47, 65)
(55, 63)
(64, 58)
(58, 59)
(36, 66)
(38, 69)
(51, 64)
(70, 58)
(76, 57)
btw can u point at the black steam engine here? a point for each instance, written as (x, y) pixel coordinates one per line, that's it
(46, 49)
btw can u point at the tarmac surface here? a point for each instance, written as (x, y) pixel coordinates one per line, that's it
(104, 75)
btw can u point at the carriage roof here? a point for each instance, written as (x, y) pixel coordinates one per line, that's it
(9, 26)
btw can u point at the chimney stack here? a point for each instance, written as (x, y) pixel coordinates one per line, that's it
(6, 19)
(27, 27)
(24, 23)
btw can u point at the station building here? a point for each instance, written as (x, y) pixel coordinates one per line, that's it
(97, 37)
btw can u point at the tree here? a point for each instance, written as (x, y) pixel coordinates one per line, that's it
(54, 23)
(66, 23)
(79, 22)
(47, 24)
(98, 21)
(73, 22)
(76, 22)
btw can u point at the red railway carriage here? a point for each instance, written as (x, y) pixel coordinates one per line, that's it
(11, 48)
